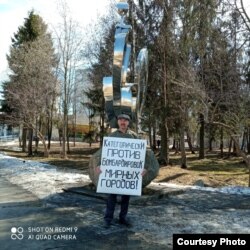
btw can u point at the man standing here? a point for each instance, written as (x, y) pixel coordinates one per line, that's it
(122, 132)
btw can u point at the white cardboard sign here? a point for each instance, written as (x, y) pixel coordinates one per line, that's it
(122, 163)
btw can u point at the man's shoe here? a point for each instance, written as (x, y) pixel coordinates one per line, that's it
(107, 224)
(125, 222)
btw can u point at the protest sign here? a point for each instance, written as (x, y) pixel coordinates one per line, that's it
(122, 163)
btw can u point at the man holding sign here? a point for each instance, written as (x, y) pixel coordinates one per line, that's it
(122, 168)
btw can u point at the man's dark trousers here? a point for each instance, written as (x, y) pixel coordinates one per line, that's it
(111, 202)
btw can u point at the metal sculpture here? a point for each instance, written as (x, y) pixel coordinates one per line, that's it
(121, 96)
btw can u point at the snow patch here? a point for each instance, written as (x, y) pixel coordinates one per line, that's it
(44, 179)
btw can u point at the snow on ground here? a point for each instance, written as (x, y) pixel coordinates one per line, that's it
(39, 178)
(226, 189)
(44, 179)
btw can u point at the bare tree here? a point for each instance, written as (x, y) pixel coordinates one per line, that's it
(69, 42)
(32, 88)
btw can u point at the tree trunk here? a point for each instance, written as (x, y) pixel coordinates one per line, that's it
(36, 134)
(68, 148)
(30, 152)
(45, 147)
(164, 152)
(150, 135)
(182, 147)
(248, 140)
(210, 146)
(50, 124)
(64, 137)
(234, 149)
(244, 139)
(49, 130)
(24, 139)
(211, 139)
(174, 144)
(102, 128)
(230, 147)
(221, 143)
(190, 145)
(74, 127)
(60, 133)
(90, 136)
(36, 144)
(154, 136)
(202, 136)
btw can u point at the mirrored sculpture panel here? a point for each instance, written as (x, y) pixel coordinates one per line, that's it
(121, 96)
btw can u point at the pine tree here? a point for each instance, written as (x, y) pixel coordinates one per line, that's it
(31, 90)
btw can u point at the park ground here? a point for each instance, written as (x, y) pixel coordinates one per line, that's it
(213, 171)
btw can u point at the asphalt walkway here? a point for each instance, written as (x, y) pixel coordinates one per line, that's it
(74, 219)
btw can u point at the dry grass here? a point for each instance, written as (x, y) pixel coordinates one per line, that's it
(212, 170)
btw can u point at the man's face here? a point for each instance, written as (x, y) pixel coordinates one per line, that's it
(123, 124)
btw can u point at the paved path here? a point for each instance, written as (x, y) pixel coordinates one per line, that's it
(62, 221)
(74, 219)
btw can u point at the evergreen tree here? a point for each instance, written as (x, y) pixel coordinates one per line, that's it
(32, 28)
(31, 90)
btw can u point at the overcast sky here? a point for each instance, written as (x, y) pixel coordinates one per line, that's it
(13, 12)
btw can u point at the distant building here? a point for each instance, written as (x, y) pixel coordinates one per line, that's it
(78, 116)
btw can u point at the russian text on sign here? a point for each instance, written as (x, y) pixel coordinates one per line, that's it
(122, 163)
